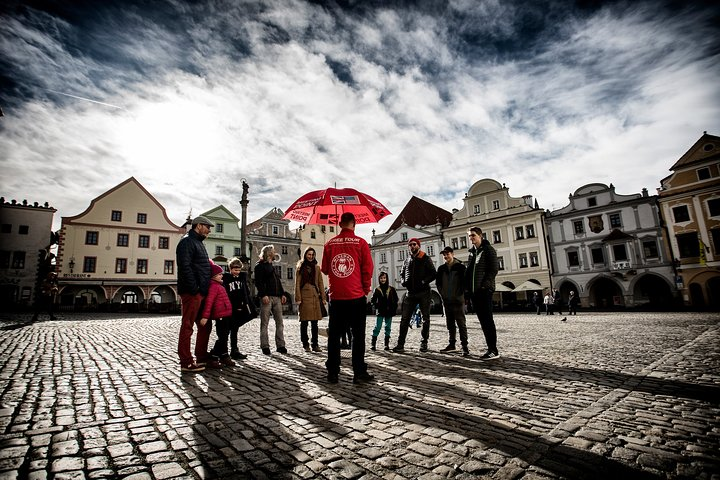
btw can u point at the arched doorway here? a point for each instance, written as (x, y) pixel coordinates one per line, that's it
(653, 292)
(696, 295)
(713, 290)
(605, 293)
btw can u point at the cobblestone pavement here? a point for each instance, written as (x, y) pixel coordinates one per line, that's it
(612, 395)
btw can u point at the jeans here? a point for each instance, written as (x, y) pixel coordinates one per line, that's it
(222, 330)
(344, 314)
(313, 331)
(455, 315)
(275, 306)
(378, 325)
(191, 316)
(482, 301)
(408, 308)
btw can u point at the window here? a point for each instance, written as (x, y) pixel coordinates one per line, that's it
(454, 242)
(18, 260)
(681, 214)
(116, 216)
(688, 245)
(519, 233)
(121, 265)
(703, 173)
(4, 259)
(142, 265)
(592, 202)
(322, 228)
(522, 258)
(404, 237)
(23, 230)
(237, 251)
(501, 263)
(163, 243)
(284, 249)
(383, 258)
(530, 231)
(615, 221)
(89, 264)
(290, 273)
(430, 250)
(650, 248)
(496, 236)
(312, 233)
(219, 250)
(496, 204)
(714, 207)
(579, 227)
(534, 259)
(332, 229)
(619, 252)
(142, 218)
(91, 238)
(6, 228)
(463, 242)
(573, 258)
(143, 241)
(275, 230)
(219, 228)
(169, 267)
(597, 255)
(123, 240)
(402, 255)
(476, 209)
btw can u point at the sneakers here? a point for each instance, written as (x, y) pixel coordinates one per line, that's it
(423, 347)
(214, 363)
(449, 348)
(227, 362)
(266, 350)
(466, 352)
(282, 350)
(398, 349)
(307, 348)
(238, 356)
(332, 378)
(316, 348)
(490, 355)
(193, 367)
(363, 378)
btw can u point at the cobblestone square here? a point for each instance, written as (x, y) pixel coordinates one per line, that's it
(601, 395)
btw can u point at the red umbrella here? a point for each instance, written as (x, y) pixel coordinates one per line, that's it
(324, 207)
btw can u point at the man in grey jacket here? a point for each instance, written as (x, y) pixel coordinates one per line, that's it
(450, 283)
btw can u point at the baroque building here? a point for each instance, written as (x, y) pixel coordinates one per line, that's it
(609, 249)
(515, 228)
(120, 251)
(25, 232)
(689, 199)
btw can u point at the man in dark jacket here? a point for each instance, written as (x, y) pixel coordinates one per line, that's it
(417, 273)
(193, 265)
(272, 298)
(450, 283)
(480, 284)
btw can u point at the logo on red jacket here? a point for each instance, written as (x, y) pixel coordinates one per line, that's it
(342, 265)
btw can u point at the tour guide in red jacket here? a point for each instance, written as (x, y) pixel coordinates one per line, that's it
(348, 264)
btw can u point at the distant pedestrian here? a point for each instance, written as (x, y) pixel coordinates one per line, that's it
(385, 301)
(548, 302)
(417, 272)
(272, 298)
(450, 283)
(217, 307)
(573, 302)
(480, 283)
(537, 302)
(45, 298)
(310, 296)
(193, 282)
(348, 264)
(244, 309)
(557, 301)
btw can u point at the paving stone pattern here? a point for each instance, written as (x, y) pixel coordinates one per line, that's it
(611, 395)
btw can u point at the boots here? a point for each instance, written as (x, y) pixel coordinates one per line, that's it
(387, 342)
(374, 343)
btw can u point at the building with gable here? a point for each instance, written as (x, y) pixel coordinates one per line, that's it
(689, 200)
(120, 251)
(25, 240)
(225, 239)
(515, 228)
(609, 249)
(418, 219)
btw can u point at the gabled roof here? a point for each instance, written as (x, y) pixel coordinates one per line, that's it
(419, 212)
(274, 214)
(617, 235)
(708, 146)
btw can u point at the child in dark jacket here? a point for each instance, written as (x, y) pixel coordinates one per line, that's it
(217, 307)
(243, 308)
(385, 300)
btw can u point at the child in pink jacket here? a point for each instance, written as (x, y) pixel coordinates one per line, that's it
(217, 307)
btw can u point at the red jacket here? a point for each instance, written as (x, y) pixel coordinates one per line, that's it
(217, 302)
(348, 264)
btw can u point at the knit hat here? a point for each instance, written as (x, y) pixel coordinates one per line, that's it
(414, 240)
(215, 269)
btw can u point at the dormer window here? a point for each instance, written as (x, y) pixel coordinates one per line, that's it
(496, 204)
(592, 202)
(703, 173)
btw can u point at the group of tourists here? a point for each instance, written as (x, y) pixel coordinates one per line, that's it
(208, 293)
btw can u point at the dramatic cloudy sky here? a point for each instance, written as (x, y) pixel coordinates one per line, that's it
(393, 98)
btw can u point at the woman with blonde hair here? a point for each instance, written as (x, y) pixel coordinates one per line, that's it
(310, 296)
